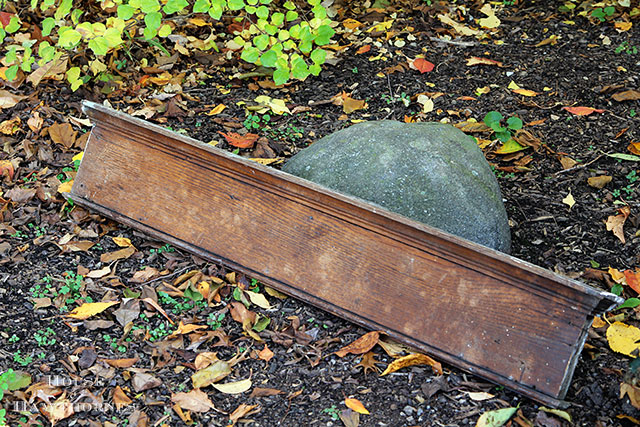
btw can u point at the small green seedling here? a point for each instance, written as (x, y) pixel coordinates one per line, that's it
(603, 13)
(493, 119)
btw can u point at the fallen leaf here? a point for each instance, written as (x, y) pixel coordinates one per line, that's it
(422, 65)
(122, 242)
(89, 309)
(479, 396)
(20, 195)
(349, 418)
(196, 401)
(8, 99)
(58, 410)
(124, 253)
(624, 339)
(10, 126)
(552, 40)
(356, 405)
(491, 21)
(616, 275)
(525, 92)
(145, 275)
(160, 310)
(236, 387)
(265, 354)
(277, 106)
(247, 140)
(205, 359)
(474, 60)
(511, 146)
(426, 102)
(211, 374)
(120, 398)
(633, 279)
(569, 200)
(216, 110)
(63, 134)
(364, 49)
(6, 168)
(411, 360)
(369, 362)
(393, 348)
(623, 26)
(634, 147)
(599, 181)
(128, 311)
(567, 162)
(459, 28)
(615, 223)
(558, 413)
(582, 111)
(97, 274)
(186, 329)
(627, 95)
(48, 71)
(243, 410)
(65, 187)
(361, 345)
(121, 363)
(143, 381)
(633, 392)
(349, 105)
(495, 418)
(258, 299)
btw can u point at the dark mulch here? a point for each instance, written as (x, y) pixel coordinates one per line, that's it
(581, 69)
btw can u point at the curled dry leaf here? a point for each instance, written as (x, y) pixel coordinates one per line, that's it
(241, 141)
(411, 360)
(124, 253)
(615, 223)
(361, 345)
(474, 60)
(120, 398)
(242, 411)
(633, 392)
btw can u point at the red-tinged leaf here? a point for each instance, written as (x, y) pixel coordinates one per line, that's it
(5, 18)
(364, 49)
(240, 141)
(633, 280)
(423, 65)
(6, 168)
(582, 111)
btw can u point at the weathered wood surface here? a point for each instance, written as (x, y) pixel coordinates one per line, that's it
(491, 314)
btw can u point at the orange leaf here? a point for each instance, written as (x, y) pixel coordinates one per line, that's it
(582, 111)
(633, 280)
(265, 354)
(6, 168)
(474, 60)
(423, 65)
(361, 345)
(121, 363)
(616, 222)
(364, 49)
(186, 329)
(240, 141)
(413, 359)
(120, 398)
(634, 147)
(616, 275)
(356, 405)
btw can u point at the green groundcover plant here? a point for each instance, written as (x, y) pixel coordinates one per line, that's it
(46, 37)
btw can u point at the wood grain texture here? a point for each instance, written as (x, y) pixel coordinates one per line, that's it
(491, 314)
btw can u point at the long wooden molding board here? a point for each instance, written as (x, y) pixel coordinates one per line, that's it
(488, 313)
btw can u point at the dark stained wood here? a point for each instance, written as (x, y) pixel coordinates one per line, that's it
(491, 314)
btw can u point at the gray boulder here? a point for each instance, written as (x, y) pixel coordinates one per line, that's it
(430, 172)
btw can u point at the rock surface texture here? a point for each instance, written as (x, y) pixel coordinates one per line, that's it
(429, 172)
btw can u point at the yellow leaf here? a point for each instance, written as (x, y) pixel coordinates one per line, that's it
(459, 28)
(78, 156)
(211, 374)
(266, 162)
(123, 242)
(491, 21)
(623, 338)
(511, 146)
(89, 309)
(557, 412)
(217, 110)
(513, 86)
(234, 387)
(258, 299)
(569, 200)
(427, 103)
(356, 405)
(277, 106)
(598, 322)
(623, 26)
(411, 360)
(525, 92)
(199, 22)
(617, 275)
(65, 187)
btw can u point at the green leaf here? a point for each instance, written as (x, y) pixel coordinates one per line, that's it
(99, 45)
(503, 136)
(261, 41)
(281, 76)
(630, 303)
(217, 7)
(318, 56)
(149, 6)
(125, 11)
(14, 25)
(277, 19)
(164, 31)
(63, 9)
(174, 6)
(250, 54)
(315, 69)
(3, 34)
(325, 33)
(252, 2)
(251, 10)
(514, 123)
(305, 34)
(616, 289)
(12, 72)
(75, 16)
(68, 37)
(113, 37)
(269, 58)
(46, 51)
(495, 418)
(261, 324)
(299, 69)
(193, 294)
(622, 156)
(289, 5)
(305, 46)
(201, 6)
(319, 12)
(236, 4)
(262, 12)
(73, 74)
(47, 25)
(283, 35)
(149, 33)
(291, 15)
(492, 118)
(12, 55)
(153, 20)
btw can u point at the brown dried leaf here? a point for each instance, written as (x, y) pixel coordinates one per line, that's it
(240, 141)
(109, 257)
(369, 362)
(599, 181)
(627, 95)
(196, 401)
(121, 363)
(49, 70)
(59, 410)
(361, 345)
(242, 411)
(20, 195)
(474, 60)
(63, 134)
(411, 360)
(633, 392)
(143, 381)
(145, 275)
(265, 354)
(10, 126)
(615, 223)
(567, 162)
(264, 392)
(8, 99)
(120, 398)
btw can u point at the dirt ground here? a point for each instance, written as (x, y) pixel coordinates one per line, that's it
(54, 256)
